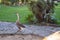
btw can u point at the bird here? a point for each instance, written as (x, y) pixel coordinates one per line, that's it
(19, 25)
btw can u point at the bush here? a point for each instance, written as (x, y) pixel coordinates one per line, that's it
(30, 18)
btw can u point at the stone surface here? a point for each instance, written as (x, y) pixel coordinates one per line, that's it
(11, 28)
(8, 28)
(39, 30)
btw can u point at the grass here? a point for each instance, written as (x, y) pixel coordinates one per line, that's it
(57, 13)
(8, 13)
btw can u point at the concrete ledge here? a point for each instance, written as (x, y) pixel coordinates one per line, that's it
(11, 28)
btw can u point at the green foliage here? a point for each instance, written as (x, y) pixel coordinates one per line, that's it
(12, 0)
(30, 18)
(57, 12)
(8, 13)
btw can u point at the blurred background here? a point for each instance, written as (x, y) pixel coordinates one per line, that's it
(9, 8)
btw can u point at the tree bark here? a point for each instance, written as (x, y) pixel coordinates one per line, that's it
(41, 9)
(38, 9)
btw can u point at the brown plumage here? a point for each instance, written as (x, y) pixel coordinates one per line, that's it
(20, 26)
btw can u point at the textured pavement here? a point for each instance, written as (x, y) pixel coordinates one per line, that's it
(11, 28)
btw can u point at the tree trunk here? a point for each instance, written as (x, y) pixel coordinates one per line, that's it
(41, 10)
(38, 9)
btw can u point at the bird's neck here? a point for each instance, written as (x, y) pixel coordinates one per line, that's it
(17, 18)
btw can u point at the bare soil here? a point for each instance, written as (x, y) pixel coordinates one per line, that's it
(20, 37)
